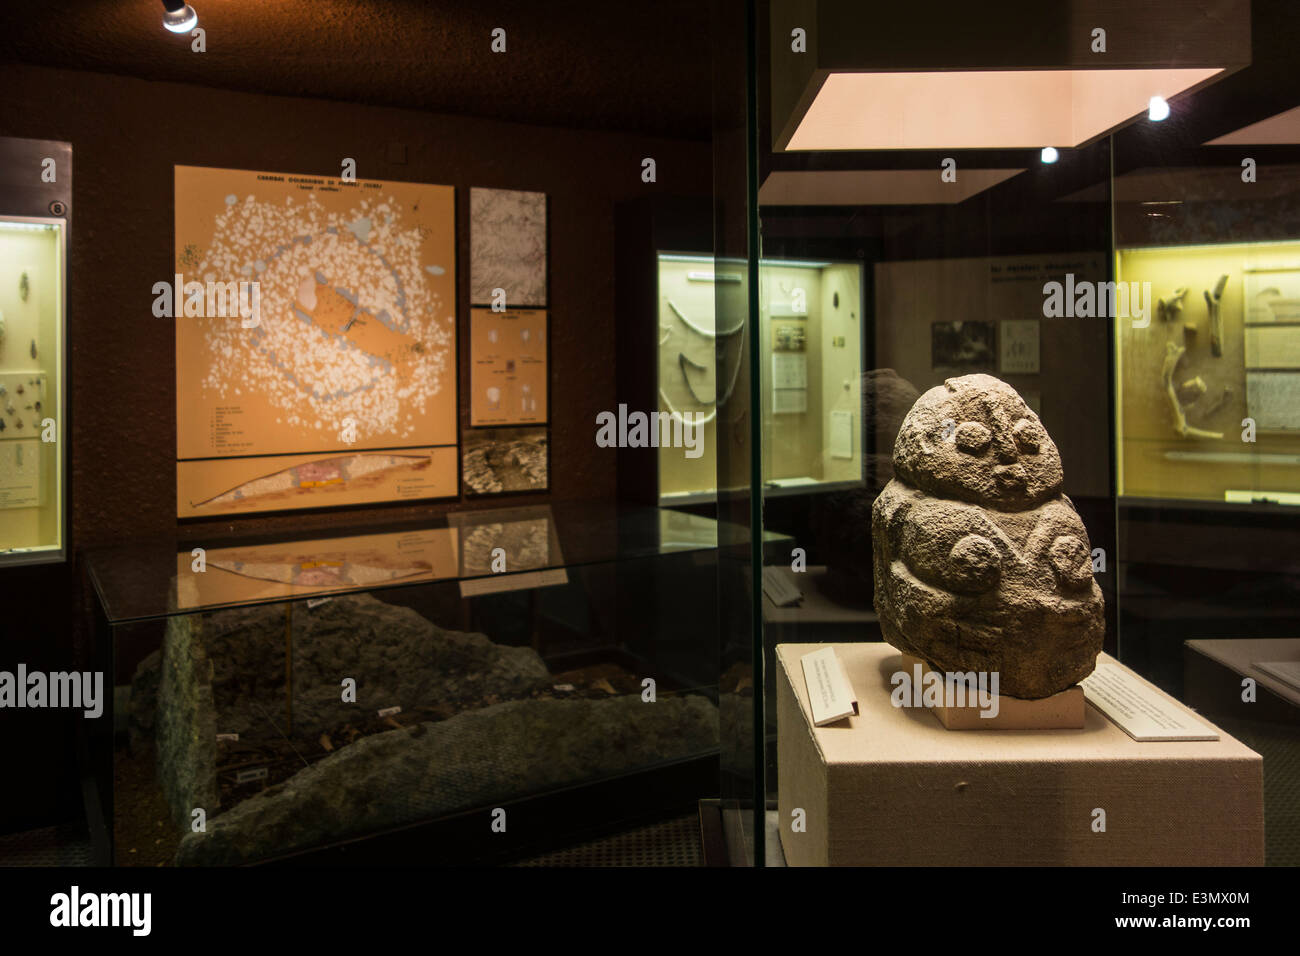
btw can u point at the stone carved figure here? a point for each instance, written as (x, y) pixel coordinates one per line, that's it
(980, 562)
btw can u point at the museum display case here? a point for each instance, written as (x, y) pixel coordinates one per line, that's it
(810, 339)
(1207, 392)
(1120, 304)
(33, 257)
(445, 687)
(873, 441)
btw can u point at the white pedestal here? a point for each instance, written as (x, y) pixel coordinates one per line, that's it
(892, 787)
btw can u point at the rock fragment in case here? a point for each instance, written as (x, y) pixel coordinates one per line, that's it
(980, 562)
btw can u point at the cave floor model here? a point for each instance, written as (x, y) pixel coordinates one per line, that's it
(444, 721)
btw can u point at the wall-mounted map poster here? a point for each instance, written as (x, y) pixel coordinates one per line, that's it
(315, 341)
(507, 367)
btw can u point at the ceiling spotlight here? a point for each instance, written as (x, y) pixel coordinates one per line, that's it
(1157, 109)
(1050, 155)
(179, 16)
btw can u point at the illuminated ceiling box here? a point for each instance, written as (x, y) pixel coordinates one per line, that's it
(977, 76)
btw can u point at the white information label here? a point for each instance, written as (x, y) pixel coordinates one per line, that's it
(1137, 709)
(829, 692)
(778, 588)
(1019, 349)
(390, 711)
(789, 370)
(841, 435)
(20, 474)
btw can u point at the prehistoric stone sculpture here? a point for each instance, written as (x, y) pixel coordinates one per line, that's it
(981, 563)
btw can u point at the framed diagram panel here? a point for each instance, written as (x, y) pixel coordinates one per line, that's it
(315, 341)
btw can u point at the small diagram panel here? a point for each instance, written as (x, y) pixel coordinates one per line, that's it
(508, 367)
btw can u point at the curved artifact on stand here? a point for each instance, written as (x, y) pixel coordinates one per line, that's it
(683, 361)
(981, 562)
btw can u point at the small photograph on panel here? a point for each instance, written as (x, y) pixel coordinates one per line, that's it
(500, 460)
(962, 345)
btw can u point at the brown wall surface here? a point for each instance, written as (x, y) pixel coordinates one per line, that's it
(126, 136)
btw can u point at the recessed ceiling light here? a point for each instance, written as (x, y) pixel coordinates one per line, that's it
(1050, 155)
(974, 109)
(179, 16)
(1157, 109)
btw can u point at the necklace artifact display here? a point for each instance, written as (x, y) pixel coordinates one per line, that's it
(683, 361)
(980, 562)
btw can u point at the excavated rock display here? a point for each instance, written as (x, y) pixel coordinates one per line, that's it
(238, 689)
(474, 759)
(980, 562)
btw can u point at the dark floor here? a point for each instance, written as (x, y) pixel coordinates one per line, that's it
(671, 843)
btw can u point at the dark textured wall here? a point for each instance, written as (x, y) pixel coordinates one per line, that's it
(126, 135)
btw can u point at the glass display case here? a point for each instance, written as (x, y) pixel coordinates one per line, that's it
(1130, 296)
(33, 263)
(810, 352)
(478, 688)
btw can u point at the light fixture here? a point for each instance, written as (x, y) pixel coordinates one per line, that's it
(179, 16)
(1157, 109)
(1050, 155)
(897, 77)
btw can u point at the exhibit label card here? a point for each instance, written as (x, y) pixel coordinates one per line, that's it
(829, 693)
(315, 341)
(507, 367)
(1019, 346)
(1139, 710)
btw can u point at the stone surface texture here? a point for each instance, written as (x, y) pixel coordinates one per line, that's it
(475, 759)
(396, 655)
(185, 726)
(980, 561)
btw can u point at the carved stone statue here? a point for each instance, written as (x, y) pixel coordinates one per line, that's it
(981, 563)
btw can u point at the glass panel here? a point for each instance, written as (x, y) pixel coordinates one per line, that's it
(1207, 230)
(1118, 247)
(953, 249)
(31, 389)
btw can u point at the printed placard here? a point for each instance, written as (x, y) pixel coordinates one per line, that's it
(829, 693)
(315, 341)
(1138, 709)
(507, 367)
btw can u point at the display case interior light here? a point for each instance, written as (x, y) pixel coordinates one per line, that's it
(971, 109)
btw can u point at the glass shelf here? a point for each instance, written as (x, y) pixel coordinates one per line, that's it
(153, 579)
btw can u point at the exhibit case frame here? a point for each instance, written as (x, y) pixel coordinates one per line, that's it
(250, 677)
(964, 233)
(34, 235)
(810, 347)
